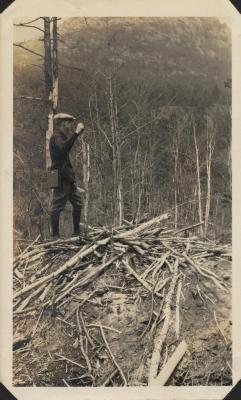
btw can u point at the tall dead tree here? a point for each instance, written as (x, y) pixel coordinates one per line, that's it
(175, 177)
(50, 58)
(50, 64)
(55, 64)
(86, 178)
(210, 148)
(116, 153)
(51, 76)
(198, 178)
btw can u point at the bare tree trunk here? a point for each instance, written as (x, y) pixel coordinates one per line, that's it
(175, 181)
(198, 179)
(55, 65)
(119, 164)
(51, 77)
(117, 173)
(48, 85)
(86, 178)
(135, 179)
(141, 185)
(210, 148)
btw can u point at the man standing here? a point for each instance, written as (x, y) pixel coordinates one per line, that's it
(60, 145)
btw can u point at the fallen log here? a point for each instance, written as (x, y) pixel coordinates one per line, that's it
(161, 335)
(171, 365)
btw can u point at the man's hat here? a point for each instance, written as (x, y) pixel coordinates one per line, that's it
(64, 116)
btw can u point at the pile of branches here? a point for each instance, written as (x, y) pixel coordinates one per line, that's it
(51, 275)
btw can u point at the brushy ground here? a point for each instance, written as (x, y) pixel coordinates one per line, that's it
(69, 350)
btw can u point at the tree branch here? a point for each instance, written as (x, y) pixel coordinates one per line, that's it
(30, 26)
(34, 20)
(30, 51)
(74, 68)
(37, 66)
(29, 98)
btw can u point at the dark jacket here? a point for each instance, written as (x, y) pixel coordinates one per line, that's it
(59, 147)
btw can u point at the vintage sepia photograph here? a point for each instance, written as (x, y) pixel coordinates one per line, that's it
(122, 202)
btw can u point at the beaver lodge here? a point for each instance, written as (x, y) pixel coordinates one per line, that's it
(135, 305)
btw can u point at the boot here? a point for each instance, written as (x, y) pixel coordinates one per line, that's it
(55, 224)
(76, 222)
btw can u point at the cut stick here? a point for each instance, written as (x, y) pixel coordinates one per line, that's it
(18, 274)
(206, 273)
(158, 315)
(169, 266)
(219, 328)
(160, 285)
(139, 250)
(157, 264)
(82, 345)
(161, 335)
(188, 228)
(36, 325)
(160, 265)
(145, 245)
(28, 310)
(112, 356)
(71, 313)
(32, 255)
(65, 322)
(71, 361)
(85, 329)
(132, 272)
(171, 365)
(150, 268)
(179, 290)
(202, 271)
(89, 275)
(70, 263)
(25, 302)
(108, 379)
(142, 227)
(71, 286)
(150, 318)
(26, 249)
(108, 328)
(45, 292)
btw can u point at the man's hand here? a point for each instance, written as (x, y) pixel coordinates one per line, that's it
(80, 128)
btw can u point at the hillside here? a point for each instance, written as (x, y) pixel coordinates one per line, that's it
(166, 73)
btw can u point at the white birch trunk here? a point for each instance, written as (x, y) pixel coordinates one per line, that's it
(198, 179)
(210, 148)
(86, 178)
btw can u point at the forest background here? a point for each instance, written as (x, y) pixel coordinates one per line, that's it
(155, 98)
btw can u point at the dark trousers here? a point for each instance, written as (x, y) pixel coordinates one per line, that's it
(66, 192)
